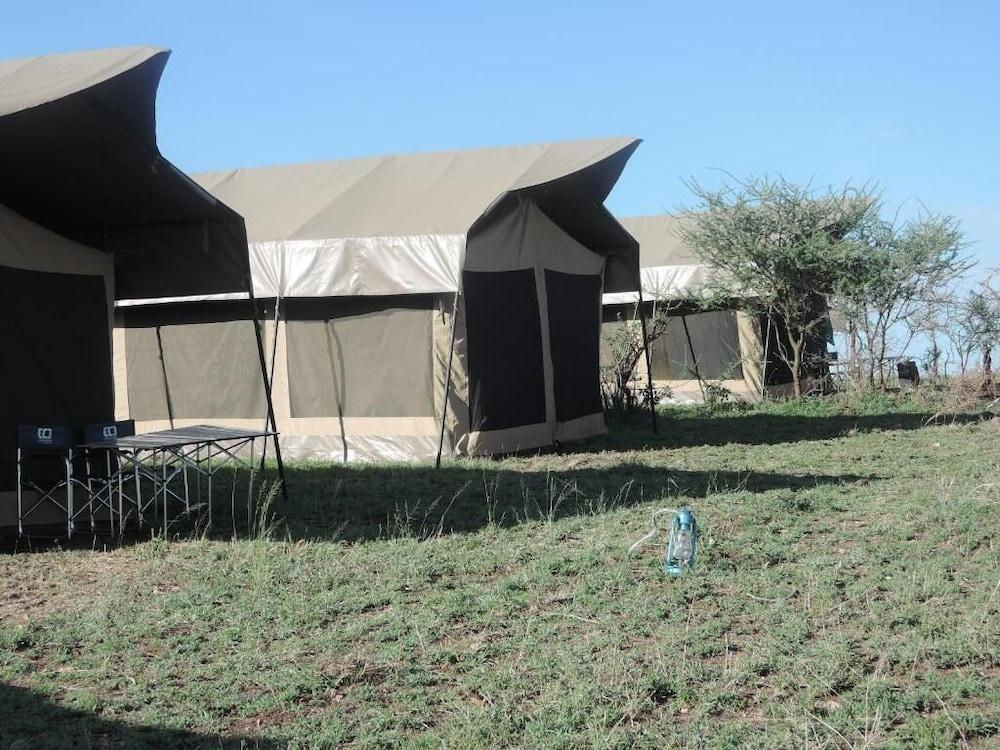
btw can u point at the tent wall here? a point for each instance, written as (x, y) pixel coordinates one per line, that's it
(367, 357)
(192, 362)
(532, 297)
(727, 344)
(354, 378)
(362, 377)
(55, 345)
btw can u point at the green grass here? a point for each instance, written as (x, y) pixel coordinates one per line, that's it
(847, 594)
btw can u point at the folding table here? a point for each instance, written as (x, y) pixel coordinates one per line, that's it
(165, 457)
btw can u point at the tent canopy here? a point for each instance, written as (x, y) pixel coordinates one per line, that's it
(668, 267)
(398, 224)
(79, 155)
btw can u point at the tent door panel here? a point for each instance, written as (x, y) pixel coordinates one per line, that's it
(55, 355)
(504, 335)
(574, 313)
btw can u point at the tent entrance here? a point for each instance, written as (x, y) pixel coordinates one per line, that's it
(55, 354)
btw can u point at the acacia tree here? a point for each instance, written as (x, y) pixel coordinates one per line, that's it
(958, 327)
(983, 313)
(893, 282)
(781, 249)
(624, 348)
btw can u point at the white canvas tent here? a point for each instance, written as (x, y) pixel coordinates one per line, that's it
(361, 262)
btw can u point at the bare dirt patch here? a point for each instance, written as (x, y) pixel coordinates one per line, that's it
(33, 587)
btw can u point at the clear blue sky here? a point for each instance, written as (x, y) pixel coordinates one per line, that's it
(903, 93)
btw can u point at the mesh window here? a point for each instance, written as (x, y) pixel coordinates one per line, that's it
(193, 361)
(361, 357)
(716, 343)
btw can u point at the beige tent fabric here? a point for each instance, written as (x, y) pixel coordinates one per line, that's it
(669, 269)
(320, 438)
(525, 238)
(667, 266)
(752, 352)
(397, 224)
(33, 81)
(660, 242)
(457, 417)
(397, 195)
(187, 370)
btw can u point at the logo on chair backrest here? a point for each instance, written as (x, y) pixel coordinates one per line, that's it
(44, 435)
(110, 432)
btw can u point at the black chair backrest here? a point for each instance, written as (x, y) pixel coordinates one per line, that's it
(96, 433)
(41, 438)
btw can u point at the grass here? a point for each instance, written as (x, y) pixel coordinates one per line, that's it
(847, 594)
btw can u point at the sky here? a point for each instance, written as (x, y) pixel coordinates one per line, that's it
(902, 94)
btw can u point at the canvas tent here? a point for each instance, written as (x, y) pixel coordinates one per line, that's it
(360, 263)
(90, 214)
(723, 347)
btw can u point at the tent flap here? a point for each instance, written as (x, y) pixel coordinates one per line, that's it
(79, 154)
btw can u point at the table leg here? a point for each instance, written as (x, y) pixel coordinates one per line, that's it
(187, 496)
(69, 494)
(138, 487)
(163, 489)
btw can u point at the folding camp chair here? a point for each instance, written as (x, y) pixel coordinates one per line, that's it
(40, 451)
(106, 475)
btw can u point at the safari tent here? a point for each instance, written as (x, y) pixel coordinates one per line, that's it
(91, 215)
(395, 285)
(726, 348)
(721, 347)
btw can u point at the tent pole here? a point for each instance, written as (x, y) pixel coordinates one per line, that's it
(267, 387)
(274, 357)
(447, 378)
(694, 357)
(649, 363)
(763, 369)
(166, 382)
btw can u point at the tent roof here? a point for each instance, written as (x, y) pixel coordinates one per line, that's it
(669, 269)
(39, 80)
(407, 195)
(660, 243)
(79, 155)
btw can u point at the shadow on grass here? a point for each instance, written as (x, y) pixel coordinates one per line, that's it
(680, 430)
(357, 503)
(31, 721)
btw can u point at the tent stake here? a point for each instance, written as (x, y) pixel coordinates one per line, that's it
(649, 363)
(447, 379)
(267, 387)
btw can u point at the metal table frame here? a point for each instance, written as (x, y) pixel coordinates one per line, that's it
(166, 456)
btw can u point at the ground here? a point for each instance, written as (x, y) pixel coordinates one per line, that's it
(846, 594)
